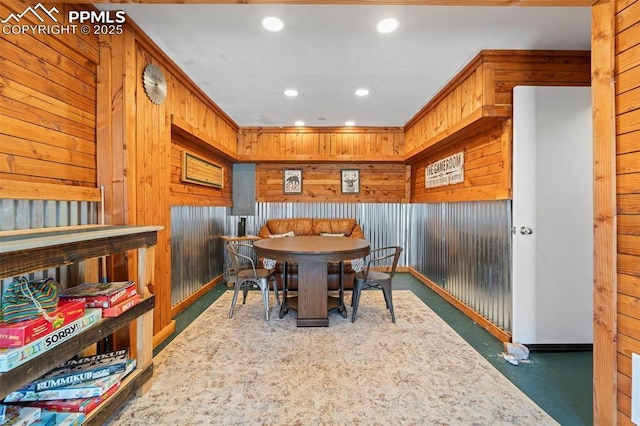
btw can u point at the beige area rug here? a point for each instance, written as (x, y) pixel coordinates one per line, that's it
(246, 371)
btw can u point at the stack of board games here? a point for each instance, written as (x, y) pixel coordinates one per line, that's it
(10, 358)
(113, 298)
(13, 335)
(77, 386)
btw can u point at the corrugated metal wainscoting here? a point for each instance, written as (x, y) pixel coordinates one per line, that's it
(466, 249)
(197, 252)
(32, 214)
(463, 247)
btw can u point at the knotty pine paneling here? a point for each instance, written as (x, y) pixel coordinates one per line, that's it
(627, 106)
(455, 102)
(487, 169)
(190, 194)
(47, 105)
(139, 153)
(605, 339)
(361, 144)
(202, 115)
(487, 80)
(379, 183)
(541, 68)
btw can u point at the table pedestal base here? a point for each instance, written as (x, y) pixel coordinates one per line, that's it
(292, 303)
(312, 297)
(313, 253)
(313, 303)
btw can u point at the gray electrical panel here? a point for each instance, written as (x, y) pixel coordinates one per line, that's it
(244, 190)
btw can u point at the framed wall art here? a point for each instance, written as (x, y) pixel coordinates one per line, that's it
(200, 171)
(292, 181)
(350, 181)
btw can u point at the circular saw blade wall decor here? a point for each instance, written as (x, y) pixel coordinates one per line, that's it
(155, 85)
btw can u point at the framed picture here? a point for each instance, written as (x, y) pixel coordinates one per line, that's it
(200, 171)
(350, 181)
(292, 181)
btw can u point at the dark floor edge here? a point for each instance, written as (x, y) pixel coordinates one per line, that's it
(564, 347)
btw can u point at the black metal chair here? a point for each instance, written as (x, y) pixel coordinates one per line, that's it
(373, 278)
(247, 275)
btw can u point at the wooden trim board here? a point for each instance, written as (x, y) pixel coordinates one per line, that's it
(494, 330)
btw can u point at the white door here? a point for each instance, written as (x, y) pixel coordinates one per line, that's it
(552, 216)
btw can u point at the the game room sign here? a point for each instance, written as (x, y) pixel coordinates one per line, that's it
(447, 171)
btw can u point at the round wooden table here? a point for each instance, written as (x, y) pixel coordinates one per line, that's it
(312, 254)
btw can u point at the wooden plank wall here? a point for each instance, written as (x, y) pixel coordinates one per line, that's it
(47, 107)
(139, 149)
(379, 183)
(627, 106)
(486, 81)
(462, 96)
(360, 144)
(190, 194)
(486, 168)
(605, 396)
(534, 68)
(155, 192)
(189, 104)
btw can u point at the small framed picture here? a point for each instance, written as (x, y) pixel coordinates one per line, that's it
(292, 181)
(350, 180)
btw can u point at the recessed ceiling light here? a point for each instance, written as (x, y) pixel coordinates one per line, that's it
(291, 93)
(362, 92)
(349, 123)
(273, 24)
(387, 26)
(299, 123)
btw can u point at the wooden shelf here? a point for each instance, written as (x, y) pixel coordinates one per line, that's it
(44, 362)
(25, 251)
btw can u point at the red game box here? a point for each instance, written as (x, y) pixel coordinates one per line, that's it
(13, 335)
(114, 311)
(101, 295)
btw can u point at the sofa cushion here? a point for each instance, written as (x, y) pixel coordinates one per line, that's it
(300, 226)
(334, 226)
(287, 234)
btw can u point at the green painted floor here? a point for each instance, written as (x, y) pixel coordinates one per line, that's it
(559, 382)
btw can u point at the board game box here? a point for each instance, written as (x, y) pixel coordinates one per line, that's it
(63, 419)
(46, 419)
(87, 389)
(17, 415)
(80, 370)
(79, 405)
(122, 307)
(100, 295)
(21, 333)
(12, 357)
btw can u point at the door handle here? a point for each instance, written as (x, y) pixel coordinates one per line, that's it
(526, 231)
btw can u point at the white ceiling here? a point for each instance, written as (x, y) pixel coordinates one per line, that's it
(326, 52)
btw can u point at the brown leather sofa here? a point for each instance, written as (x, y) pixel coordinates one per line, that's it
(275, 228)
